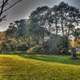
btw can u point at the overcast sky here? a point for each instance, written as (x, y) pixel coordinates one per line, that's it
(24, 8)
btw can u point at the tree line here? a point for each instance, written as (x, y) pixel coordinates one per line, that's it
(44, 21)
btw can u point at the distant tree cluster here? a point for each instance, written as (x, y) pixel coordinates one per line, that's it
(60, 20)
(47, 30)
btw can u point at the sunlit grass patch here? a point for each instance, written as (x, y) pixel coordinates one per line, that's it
(14, 67)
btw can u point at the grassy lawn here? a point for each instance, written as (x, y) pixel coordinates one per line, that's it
(55, 58)
(14, 67)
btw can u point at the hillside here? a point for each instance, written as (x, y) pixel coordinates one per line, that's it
(13, 67)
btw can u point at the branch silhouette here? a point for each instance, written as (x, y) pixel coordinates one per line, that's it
(3, 8)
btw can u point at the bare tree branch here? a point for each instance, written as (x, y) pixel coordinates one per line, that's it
(3, 8)
(12, 5)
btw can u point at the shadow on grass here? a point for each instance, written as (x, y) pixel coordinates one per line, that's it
(65, 59)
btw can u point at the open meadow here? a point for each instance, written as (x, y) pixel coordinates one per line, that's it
(14, 67)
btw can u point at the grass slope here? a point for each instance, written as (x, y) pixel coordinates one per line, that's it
(55, 58)
(13, 67)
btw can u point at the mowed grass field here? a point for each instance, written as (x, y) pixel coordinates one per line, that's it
(14, 67)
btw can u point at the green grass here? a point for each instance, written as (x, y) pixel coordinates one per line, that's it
(14, 67)
(55, 58)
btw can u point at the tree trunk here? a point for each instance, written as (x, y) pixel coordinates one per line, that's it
(62, 27)
(73, 53)
(66, 45)
(56, 28)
